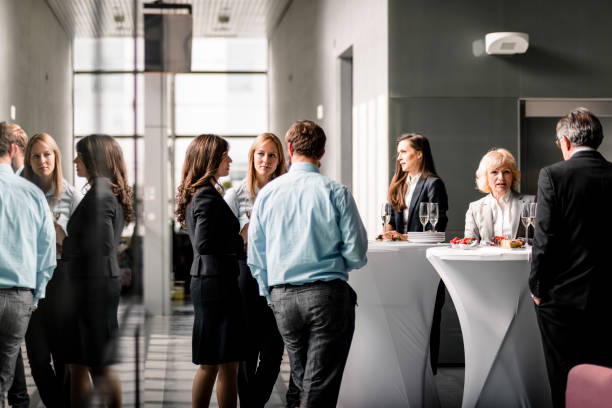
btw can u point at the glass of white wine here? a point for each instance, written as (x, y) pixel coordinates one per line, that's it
(385, 214)
(526, 220)
(532, 215)
(424, 214)
(434, 211)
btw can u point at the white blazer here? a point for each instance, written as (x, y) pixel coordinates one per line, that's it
(479, 216)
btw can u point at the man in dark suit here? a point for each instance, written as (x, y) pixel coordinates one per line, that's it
(571, 276)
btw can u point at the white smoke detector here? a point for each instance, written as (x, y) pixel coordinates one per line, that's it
(506, 43)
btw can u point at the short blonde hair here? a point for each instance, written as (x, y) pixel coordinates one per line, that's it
(496, 158)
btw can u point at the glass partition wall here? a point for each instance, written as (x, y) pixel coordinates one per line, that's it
(226, 93)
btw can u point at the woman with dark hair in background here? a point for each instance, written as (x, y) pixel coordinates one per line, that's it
(264, 351)
(415, 181)
(90, 251)
(42, 166)
(217, 244)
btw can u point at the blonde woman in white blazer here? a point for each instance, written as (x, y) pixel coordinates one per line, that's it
(499, 212)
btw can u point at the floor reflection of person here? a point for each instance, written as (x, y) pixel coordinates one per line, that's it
(415, 181)
(214, 231)
(258, 372)
(499, 212)
(90, 253)
(42, 166)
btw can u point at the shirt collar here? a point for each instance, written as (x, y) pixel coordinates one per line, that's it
(304, 166)
(6, 168)
(412, 180)
(581, 149)
(505, 198)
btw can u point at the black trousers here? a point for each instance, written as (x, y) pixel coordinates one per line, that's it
(570, 337)
(18, 393)
(434, 335)
(44, 343)
(258, 372)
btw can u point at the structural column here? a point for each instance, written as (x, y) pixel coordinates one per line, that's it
(157, 194)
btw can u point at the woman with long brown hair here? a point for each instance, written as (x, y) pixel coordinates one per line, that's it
(415, 181)
(217, 243)
(90, 250)
(264, 352)
(42, 166)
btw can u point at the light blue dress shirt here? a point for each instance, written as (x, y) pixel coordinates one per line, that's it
(27, 235)
(304, 228)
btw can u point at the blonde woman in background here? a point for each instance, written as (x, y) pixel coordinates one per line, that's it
(42, 166)
(258, 372)
(499, 212)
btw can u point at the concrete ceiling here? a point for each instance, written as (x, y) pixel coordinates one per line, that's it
(211, 18)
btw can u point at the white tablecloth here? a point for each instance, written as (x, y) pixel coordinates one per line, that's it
(504, 359)
(388, 365)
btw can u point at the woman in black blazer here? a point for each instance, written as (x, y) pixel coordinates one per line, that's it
(214, 232)
(415, 168)
(90, 251)
(415, 173)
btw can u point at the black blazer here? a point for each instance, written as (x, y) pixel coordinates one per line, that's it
(93, 233)
(571, 248)
(430, 189)
(214, 232)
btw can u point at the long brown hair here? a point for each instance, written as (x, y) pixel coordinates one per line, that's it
(202, 160)
(398, 187)
(102, 157)
(56, 177)
(251, 173)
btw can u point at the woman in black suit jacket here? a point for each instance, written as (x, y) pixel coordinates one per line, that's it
(415, 168)
(214, 232)
(90, 251)
(415, 173)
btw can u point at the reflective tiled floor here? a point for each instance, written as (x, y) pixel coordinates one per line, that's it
(168, 370)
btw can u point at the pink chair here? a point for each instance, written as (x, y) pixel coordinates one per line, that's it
(589, 386)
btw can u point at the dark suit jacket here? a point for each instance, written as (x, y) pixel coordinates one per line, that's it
(94, 230)
(214, 232)
(430, 189)
(571, 248)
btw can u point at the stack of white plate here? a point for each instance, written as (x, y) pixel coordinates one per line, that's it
(427, 237)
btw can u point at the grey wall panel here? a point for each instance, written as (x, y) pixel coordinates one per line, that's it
(461, 131)
(430, 48)
(36, 73)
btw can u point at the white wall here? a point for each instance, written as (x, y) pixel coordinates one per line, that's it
(36, 73)
(304, 72)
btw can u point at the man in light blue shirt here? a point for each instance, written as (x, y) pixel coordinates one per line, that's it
(27, 255)
(305, 235)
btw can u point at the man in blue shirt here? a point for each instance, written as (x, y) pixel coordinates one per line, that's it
(18, 393)
(305, 235)
(27, 255)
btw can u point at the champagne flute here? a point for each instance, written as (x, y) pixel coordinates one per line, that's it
(424, 214)
(434, 211)
(532, 215)
(385, 215)
(526, 220)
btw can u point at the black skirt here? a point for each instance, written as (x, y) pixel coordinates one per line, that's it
(218, 327)
(91, 330)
